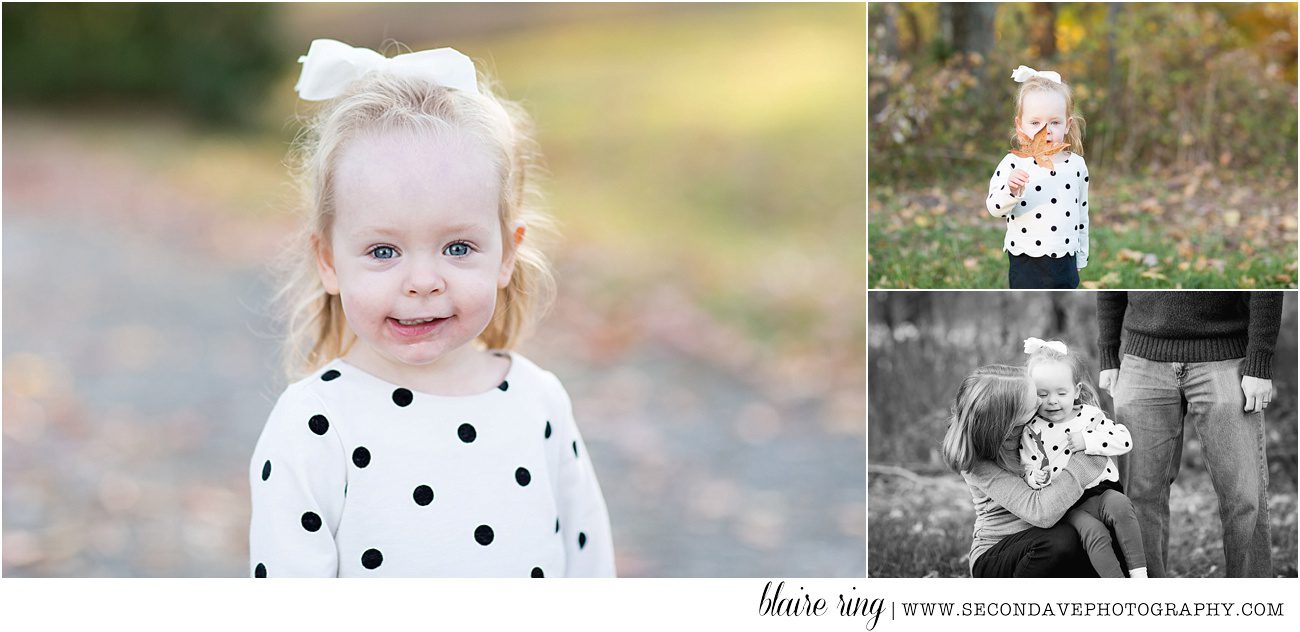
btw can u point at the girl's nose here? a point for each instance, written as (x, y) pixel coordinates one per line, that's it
(425, 278)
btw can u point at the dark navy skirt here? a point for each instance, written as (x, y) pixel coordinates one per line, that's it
(1042, 273)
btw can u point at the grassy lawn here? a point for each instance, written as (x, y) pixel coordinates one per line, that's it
(923, 528)
(1189, 230)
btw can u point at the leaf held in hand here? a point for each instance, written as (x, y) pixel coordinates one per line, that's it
(1038, 148)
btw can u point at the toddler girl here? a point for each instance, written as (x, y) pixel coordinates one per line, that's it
(1042, 189)
(418, 444)
(1069, 420)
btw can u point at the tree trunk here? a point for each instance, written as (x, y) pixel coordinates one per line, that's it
(1044, 30)
(972, 26)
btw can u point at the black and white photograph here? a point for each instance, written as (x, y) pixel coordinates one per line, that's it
(1094, 434)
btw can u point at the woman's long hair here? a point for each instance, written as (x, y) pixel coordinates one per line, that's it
(993, 403)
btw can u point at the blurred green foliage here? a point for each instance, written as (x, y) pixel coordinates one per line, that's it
(212, 60)
(1161, 85)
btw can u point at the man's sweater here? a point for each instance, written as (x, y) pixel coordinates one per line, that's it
(1190, 326)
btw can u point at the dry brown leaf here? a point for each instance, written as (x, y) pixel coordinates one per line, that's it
(1038, 148)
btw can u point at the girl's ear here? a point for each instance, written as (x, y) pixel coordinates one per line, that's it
(325, 264)
(510, 249)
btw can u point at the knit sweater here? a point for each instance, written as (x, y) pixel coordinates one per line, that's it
(1190, 327)
(1050, 216)
(1005, 505)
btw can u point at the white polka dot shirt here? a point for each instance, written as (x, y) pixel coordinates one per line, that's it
(1045, 445)
(356, 477)
(1050, 218)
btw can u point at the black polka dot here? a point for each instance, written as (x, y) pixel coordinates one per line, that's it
(1038, 188)
(1003, 187)
(557, 525)
(329, 375)
(1085, 203)
(466, 433)
(1038, 216)
(1013, 165)
(537, 572)
(1126, 444)
(523, 477)
(260, 571)
(1067, 185)
(1067, 213)
(504, 385)
(1051, 425)
(372, 558)
(1024, 230)
(1055, 468)
(402, 397)
(1067, 451)
(582, 539)
(1055, 448)
(1053, 173)
(1013, 243)
(1053, 200)
(1033, 458)
(266, 470)
(1024, 203)
(999, 206)
(1103, 444)
(1067, 240)
(483, 535)
(1108, 470)
(1077, 174)
(361, 456)
(1053, 229)
(547, 434)
(423, 495)
(318, 424)
(1037, 242)
(998, 173)
(311, 521)
(575, 449)
(1085, 178)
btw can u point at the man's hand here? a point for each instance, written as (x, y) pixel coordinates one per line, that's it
(1258, 393)
(1107, 381)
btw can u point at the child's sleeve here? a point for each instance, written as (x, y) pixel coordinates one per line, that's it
(1031, 458)
(1106, 438)
(1000, 201)
(1081, 255)
(297, 475)
(583, 519)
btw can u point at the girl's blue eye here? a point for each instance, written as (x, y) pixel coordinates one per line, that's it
(383, 252)
(458, 249)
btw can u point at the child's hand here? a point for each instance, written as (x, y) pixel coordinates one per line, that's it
(1040, 477)
(1017, 181)
(1106, 380)
(1076, 442)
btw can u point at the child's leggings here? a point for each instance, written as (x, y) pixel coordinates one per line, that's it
(1096, 518)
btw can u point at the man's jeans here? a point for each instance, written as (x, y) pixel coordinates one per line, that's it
(1154, 399)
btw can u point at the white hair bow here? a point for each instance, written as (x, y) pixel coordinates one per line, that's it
(1025, 73)
(330, 65)
(1034, 344)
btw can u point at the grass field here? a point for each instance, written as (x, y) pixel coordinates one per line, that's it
(922, 528)
(1188, 230)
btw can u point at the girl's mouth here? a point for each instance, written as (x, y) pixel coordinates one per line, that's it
(415, 327)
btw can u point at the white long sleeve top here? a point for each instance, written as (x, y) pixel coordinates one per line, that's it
(1050, 217)
(356, 477)
(1045, 445)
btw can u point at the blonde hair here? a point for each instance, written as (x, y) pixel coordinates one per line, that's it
(1074, 136)
(991, 406)
(316, 328)
(1078, 374)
